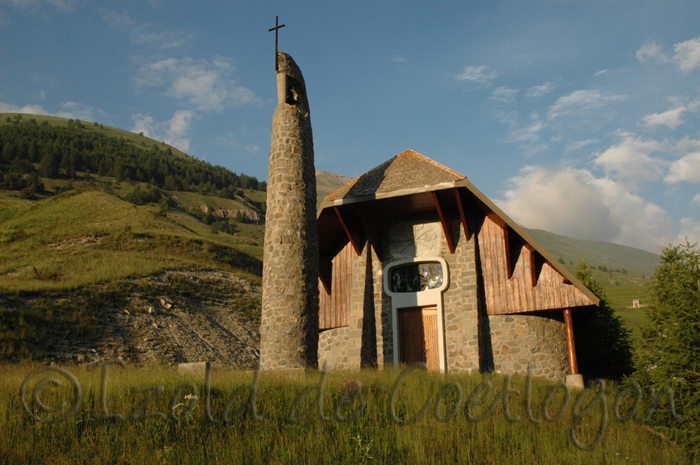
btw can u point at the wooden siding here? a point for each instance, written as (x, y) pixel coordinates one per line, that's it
(517, 294)
(334, 309)
(418, 337)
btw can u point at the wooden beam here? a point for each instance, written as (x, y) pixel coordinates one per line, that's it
(325, 272)
(445, 220)
(352, 229)
(373, 234)
(462, 213)
(498, 220)
(570, 345)
(506, 243)
(533, 264)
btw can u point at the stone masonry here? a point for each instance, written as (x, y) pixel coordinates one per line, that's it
(289, 323)
(474, 341)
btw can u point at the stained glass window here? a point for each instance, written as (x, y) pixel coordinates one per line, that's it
(416, 277)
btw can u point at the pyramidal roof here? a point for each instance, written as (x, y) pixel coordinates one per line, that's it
(407, 170)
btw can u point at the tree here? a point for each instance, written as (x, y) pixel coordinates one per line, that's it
(669, 353)
(603, 344)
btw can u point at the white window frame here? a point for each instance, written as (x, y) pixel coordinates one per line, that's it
(430, 297)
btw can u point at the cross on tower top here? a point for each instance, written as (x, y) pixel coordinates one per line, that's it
(276, 29)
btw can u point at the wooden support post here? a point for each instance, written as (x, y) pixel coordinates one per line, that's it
(570, 345)
(506, 243)
(373, 235)
(446, 221)
(462, 213)
(353, 230)
(533, 264)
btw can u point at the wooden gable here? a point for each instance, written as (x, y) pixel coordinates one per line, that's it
(519, 275)
(334, 306)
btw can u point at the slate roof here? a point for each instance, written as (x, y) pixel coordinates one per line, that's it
(407, 170)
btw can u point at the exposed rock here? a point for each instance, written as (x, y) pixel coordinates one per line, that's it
(214, 316)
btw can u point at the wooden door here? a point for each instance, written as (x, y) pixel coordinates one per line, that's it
(418, 336)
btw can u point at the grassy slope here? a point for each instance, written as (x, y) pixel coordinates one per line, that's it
(613, 256)
(95, 237)
(85, 237)
(327, 182)
(135, 139)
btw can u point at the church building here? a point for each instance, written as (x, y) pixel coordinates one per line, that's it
(417, 265)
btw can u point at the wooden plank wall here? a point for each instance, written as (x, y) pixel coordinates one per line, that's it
(516, 294)
(334, 309)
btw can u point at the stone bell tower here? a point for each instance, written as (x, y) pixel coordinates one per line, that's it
(289, 323)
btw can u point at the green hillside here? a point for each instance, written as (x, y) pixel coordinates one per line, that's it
(81, 237)
(77, 207)
(604, 254)
(327, 182)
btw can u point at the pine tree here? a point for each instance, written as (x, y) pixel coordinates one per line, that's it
(603, 344)
(669, 354)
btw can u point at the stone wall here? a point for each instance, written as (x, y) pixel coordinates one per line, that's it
(519, 339)
(474, 341)
(289, 323)
(333, 347)
(355, 345)
(460, 306)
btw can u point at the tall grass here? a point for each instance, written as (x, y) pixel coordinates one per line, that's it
(372, 437)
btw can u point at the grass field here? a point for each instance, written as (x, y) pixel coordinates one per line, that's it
(620, 299)
(370, 437)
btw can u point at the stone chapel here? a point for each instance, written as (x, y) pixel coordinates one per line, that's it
(407, 263)
(417, 265)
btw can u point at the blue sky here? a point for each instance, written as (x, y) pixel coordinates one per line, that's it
(578, 117)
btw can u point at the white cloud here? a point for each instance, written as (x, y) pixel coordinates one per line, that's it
(581, 100)
(696, 199)
(33, 6)
(503, 95)
(578, 145)
(575, 203)
(399, 59)
(601, 72)
(685, 169)
(687, 144)
(481, 74)
(538, 91)
(173, 132)
(670, 118)
(206, 85)
(690, 229)
(142, 33)
(73, 110)
(528, 137)
(630, 160)
(687, 54)
(651, 52)
(30, 109)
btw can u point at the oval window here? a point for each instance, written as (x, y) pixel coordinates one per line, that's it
(416, 277)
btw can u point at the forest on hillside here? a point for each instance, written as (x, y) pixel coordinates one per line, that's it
(30, 151)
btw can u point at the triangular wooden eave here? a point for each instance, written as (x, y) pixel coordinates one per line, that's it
(460, 183)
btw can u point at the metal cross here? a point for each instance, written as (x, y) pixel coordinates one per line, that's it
(276, 29)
